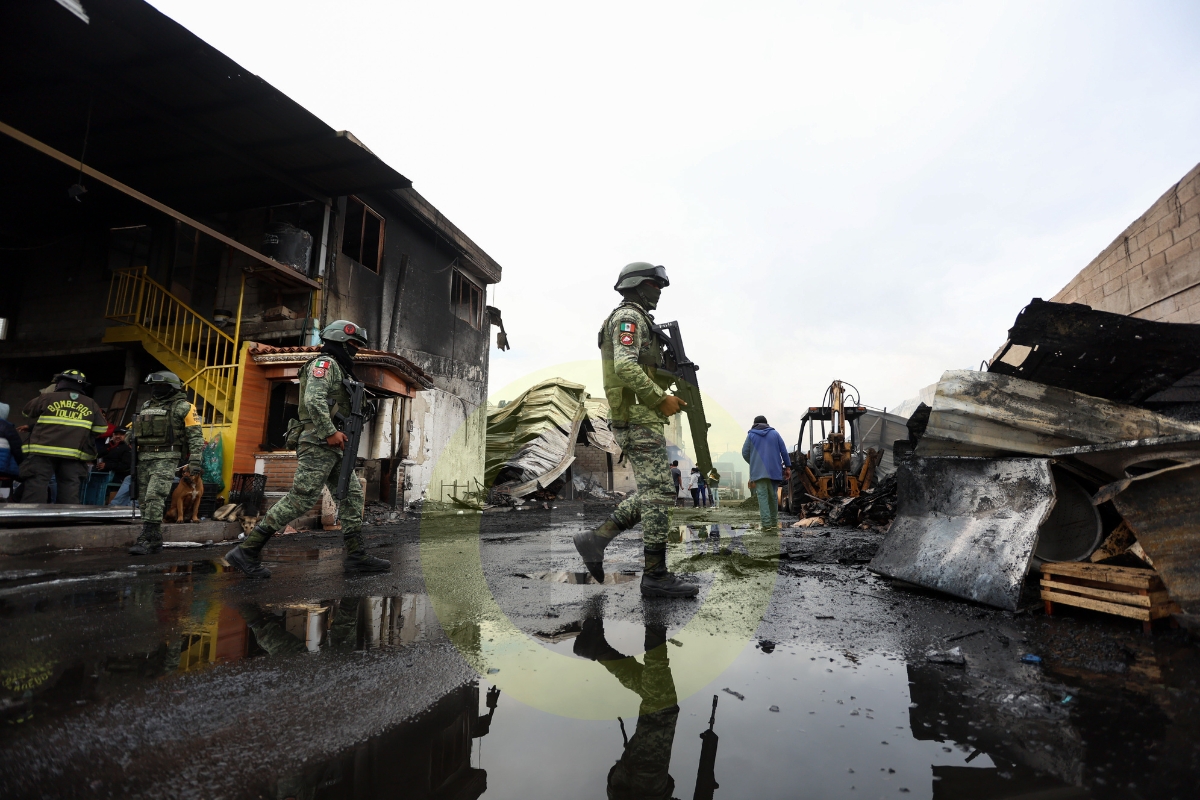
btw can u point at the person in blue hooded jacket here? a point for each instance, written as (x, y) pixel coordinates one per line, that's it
(10, 446)
(770, 466)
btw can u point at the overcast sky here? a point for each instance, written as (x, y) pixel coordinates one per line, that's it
(860, 191)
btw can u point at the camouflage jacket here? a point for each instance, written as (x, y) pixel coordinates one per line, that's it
(631, 355)
(322, 397)
(168, 427)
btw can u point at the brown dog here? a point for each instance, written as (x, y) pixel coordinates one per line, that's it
(185, 500)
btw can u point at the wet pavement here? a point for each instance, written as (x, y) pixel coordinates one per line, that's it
(171, 677)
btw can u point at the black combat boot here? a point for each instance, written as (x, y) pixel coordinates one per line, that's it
(591, 544)
(657, 582)
(358, 560)
(150, 540)
(591, 644)
(247, 555)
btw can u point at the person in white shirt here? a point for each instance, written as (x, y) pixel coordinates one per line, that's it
(694, 486)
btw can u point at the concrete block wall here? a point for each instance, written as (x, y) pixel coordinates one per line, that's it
(1152, 270)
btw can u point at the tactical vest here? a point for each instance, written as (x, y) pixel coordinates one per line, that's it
(154, 426)
(621, 399)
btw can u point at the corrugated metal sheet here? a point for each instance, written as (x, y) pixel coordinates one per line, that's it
(1165, 516)
(967, 526)
(987, 414)
(880, 430)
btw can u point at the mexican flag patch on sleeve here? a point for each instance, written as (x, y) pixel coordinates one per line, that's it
(628, 327)
(320, 368)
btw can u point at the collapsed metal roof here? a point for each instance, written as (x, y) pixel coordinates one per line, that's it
(1098, 353)
(531, 441)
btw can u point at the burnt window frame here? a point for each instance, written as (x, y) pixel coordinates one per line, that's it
(367, 213)
(475, 295)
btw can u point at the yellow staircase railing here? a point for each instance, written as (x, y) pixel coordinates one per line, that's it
(201, 354)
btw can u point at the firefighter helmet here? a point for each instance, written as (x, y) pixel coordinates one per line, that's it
(634, 274)
(71, 375)
(169, 378)
(343, 330)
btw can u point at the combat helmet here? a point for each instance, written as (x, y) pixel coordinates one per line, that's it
(633, 274)
(343, 330)
(161, 377)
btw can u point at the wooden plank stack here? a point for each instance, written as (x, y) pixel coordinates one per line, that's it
(1125, 591)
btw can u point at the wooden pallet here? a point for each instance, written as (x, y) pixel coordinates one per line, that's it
(1125, 591)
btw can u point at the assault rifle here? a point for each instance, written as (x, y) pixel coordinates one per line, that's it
(706, 773)
(351, 425)
(133, 481)
(678, 366)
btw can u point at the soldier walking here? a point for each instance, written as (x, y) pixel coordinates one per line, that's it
(638, 410)
(62, 441)
(323, 397)
(163, 430)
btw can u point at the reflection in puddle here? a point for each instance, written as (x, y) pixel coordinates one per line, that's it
(807, 719)
(429, 756)
(177, 625)
(564, 576)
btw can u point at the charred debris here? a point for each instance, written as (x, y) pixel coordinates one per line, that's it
(1073, 453)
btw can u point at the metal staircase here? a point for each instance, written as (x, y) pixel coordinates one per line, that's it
(201, 354)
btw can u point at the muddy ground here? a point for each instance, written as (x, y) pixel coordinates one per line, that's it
(169, 677)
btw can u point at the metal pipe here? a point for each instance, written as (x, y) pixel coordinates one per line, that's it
(237, 326)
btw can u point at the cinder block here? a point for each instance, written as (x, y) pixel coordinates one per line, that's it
(1186, 228)
(1192, 207)
(1178, 250)
(1193, 312)
(1158, 245)
(1187, 189)
(1153, 263)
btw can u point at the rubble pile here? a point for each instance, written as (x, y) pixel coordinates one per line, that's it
(1075, 444)
(380, 514)
(874, 509)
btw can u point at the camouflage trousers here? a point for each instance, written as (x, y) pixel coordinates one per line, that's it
(155, 476)
(645, 447)
(318, 465)
(643, 770)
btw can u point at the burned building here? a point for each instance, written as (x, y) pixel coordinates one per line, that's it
(165, 209)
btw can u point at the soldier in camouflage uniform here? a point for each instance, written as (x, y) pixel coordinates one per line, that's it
(638, 409)
(323, 396)
(164, 429)
(643, 769)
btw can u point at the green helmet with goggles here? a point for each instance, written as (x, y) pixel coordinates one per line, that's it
(163, 378)
(633, 275)
(343, 330)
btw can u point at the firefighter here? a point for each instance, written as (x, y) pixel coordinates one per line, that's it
(164, 430)
(319, 452)
(62, 440)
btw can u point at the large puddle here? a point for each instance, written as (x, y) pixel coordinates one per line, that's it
(783, 720)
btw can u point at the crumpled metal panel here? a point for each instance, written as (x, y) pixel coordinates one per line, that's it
(986, 414)
(967, 526)
(1098, 353)
(1112, 459)
(17, 514)
(1164, 512)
